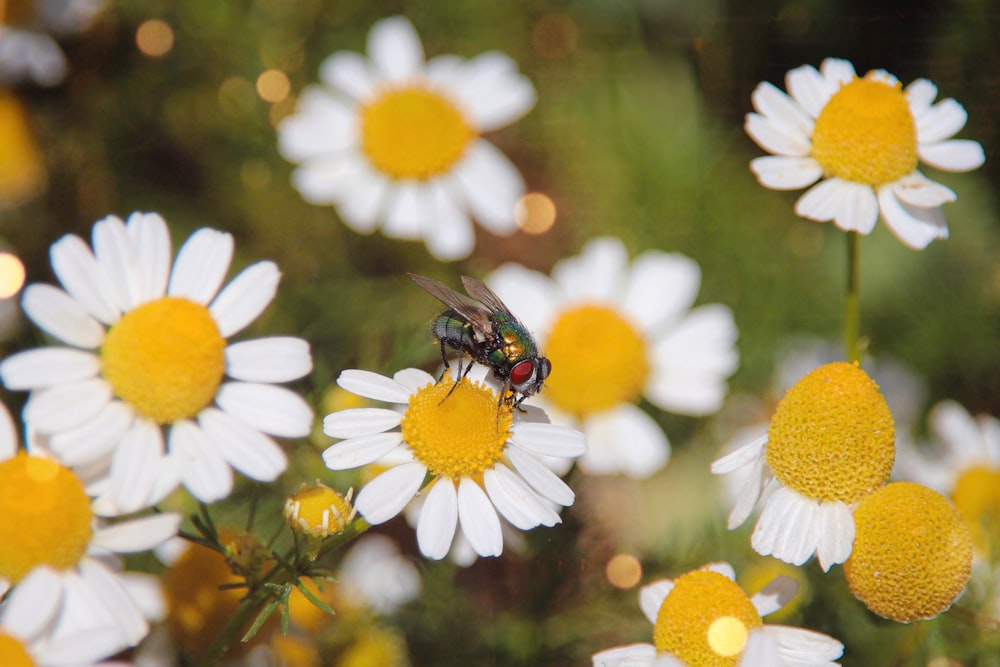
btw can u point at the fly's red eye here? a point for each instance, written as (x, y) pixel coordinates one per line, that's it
(521, 372)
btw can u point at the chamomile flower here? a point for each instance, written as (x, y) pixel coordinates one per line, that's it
(137, 388)
(615, 332)
(862, 138)
(28, 50)
(395, 142)
(481, 454)
(830, 442)
(60, 559)
(704, 618)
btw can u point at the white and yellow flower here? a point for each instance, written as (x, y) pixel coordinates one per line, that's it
(395, 142)
(482, 457)
(704, 618)
(615, 332)
(862, 138)
(137, 389)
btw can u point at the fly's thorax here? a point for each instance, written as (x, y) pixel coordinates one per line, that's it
(514, 340)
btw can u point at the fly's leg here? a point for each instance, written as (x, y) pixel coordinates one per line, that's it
(461, 374)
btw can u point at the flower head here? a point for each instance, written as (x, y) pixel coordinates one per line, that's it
(704, 618)
(617, 331)
(28, 51)
(863, 139)
(480, 454)
(395, 142)
(831, 442)
(138, 389)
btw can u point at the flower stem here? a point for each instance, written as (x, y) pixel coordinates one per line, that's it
(852, 307)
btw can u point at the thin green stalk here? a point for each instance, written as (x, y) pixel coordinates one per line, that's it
(852, 305)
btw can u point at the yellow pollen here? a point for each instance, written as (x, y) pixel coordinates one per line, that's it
(599, 360)
(912, 553)
(319, 510)
(13, 652)
(701, 620)
(413, 132)
(460, 434)
(166, 358)
(977, 497)
(832, 436)
(46, 516)
(866, 133)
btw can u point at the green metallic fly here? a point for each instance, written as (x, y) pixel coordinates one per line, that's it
(481, 326)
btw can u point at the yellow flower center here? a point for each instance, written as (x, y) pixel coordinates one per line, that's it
(46, 516)
(832, 436)
(705, 619)
(166, 358)
(13, 653)
(912, 553)
(319, 510)
(866, 133)
(599, 360)
(413, 132)
(457, 431)
(22, 169)
(977, 497)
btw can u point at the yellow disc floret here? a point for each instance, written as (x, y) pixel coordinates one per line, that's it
(866, 133)
(13, 652)
(413, 132)
(166, 359)
(599, 360)
(705, 620)
(912, 553)
(832, 436)
(46, 516)
(457, 431)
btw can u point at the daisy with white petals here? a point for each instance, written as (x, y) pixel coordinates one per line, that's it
(704, 618)
(616, 331)
(395, 142)
(68, 594)
(482, 456)
(862, 138)
(138, 387)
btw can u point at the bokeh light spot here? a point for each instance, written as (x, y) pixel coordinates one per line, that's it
(727, 636)
(535, 213)
(623, 571)
(273, 85)
(11, 275)
(154, 38)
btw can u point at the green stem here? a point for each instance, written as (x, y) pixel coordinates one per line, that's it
(852, 306)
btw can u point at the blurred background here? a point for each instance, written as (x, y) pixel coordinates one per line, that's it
(172, 106)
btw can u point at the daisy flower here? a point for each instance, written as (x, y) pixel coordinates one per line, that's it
(615, 332)
(395, 142)
(704, 618)
(481, 455)
(137, 388)
(28, 51)
(61, 560)
(830, 442)
(862, 138)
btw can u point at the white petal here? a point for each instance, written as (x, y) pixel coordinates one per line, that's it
(348, 72)
(745, 455)
(48, 366)
(448, 233)
(920, 94)
(478, 519)
(762, 650)
(265, 407)
(530, 294)
(775, 139)
(917, 190)
(365, 190)
(782, 112)
(852, 206)
(360, 451)
(810, 89)
(246, 449)
(151, 240)
(114, 595)
(540, 478)
(942, 121)
(66, 406)
(135, 466)
(651, 597)
(438, 520)
(322, 125)
(277, 359)
(83, 278)
(632, 655)
(204, 472)
(953, 155)
(645, 299)
(492, 186)
(201, 265)
(406, 212)
(515, 500)
(625, 440)
(549, 439)
(394, 48)
(385, 496)
(8, 435)
(599, 272)
(835, 530)
(775, 595)
(33, 603)
(327, 181)
(114, 251)
(492, 91)
(804, 648)
(956, 427)
(140, 534)
(837, 71)
(356, 422)
(245, 298)
(374, 386)
(787, 528)
(413, 378)
(95, 438)
(914, 227)
(61, 315)
(786, 173)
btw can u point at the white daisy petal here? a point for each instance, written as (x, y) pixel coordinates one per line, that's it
(625, 440)
(349, 72)
(515, 500)
(201, 265)
(549, 439)
(492, 91)
(650, 306)
(8, 435)
(204, 472)
(491, 185)
(528, 293)
(114, 595)
(374, 386)
(651, 597)
(141, 534)
(322, 125)
(244, 448)
(918, 190)
(633, 655)
(327, 181)
(599, 272)
(809, 88)
(385, 496)
(115, 252)
(774, 139)
(66, 406)
(36, 598)
(786, 173)
(245, 298)
(748, 495)
(151, 239)
(745, 455)
(835, 533)
(540, 478)
(837, 71)
(478, 519)
(394, 48)
(782, 112)
(273, 410)
(953, 155)
(955, 426)
(449, 234)
(62, 316)
(942, 121)
(723, 568)
(84, 278)
(920, 94)
(360, 451)
(762, 649)
(787, 528)
(849, 205)
(48, 366)
(364, 191)
(275, 359)
(413, 379)
(95, 438)
(914, 227)
(135, 466)
(775, 595)
(801, 647)
(438, 520)
(356, 422)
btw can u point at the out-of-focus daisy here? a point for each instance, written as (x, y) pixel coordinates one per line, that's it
(615, 332)
(61, 560)
(482, 456)
(704, 618)
(830, 442)
(862, 138)
(374, 574)
(395, 142)
(139, 385)
(22, 167)
(28, 51)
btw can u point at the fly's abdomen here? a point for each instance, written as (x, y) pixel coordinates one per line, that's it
(453, 331)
